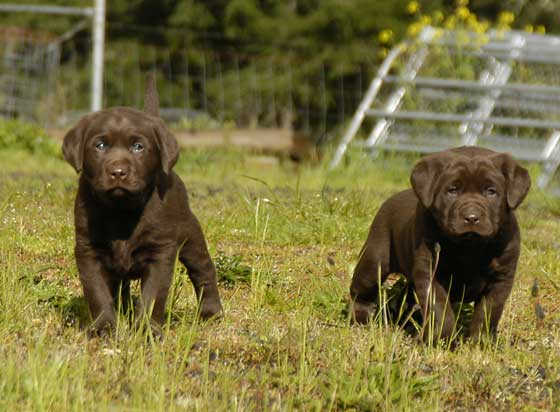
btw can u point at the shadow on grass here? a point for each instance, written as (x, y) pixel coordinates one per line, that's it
(74, 311)
(398, 307)
(71, 309)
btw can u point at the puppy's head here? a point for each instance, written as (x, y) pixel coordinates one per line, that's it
(121, 152)
(470, 190)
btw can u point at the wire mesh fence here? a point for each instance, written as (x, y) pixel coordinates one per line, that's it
(444, 90)
(203, 81)
(28, 63)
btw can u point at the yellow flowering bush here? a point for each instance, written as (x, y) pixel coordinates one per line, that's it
(385, 36)
(505, 18)
(462, 19)
(412, 7)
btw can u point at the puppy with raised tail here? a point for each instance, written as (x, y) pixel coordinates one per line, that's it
(460, 214)
(132, 215)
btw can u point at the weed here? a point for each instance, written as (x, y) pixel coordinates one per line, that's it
(231, 271)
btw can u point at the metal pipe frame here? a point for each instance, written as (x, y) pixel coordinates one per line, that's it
(413, 65)
(29, 8)
(97, 14)
(449, 117)
(372, 91)
(472, 85)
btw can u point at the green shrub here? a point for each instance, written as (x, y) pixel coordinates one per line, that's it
(25, 136)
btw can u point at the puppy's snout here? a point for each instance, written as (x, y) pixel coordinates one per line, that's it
(471, 214)
(118, 172)
(472, 219)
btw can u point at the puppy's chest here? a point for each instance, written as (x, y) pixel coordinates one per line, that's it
(122, 260)
(127, 258)
(465, 278)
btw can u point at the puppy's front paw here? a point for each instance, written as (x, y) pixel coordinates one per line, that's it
(145, 324)
(102, 326)
(362, 312)
(210, 309)
(100, 331)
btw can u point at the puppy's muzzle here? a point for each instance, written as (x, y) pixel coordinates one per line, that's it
(117, 171)
(471, 215)
(471, 219)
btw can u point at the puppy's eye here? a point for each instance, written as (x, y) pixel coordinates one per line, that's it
(101, 146)
(490, 191)
(453, 191)
(137, 147)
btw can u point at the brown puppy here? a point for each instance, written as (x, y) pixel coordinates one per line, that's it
(132, 215)
(462, 200)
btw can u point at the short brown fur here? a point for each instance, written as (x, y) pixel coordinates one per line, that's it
(462, 199)
(132, 215)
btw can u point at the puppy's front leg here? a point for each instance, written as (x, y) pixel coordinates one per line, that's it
(96, 284)
(432, 296)
(371, 271)
(488, 309)
(194, 255)
(156, 281)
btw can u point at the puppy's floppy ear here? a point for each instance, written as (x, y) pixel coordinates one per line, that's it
(73, 145)
(167, 145)
(518, 181)
(424, 176)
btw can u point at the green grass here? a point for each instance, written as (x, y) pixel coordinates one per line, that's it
(285, 241)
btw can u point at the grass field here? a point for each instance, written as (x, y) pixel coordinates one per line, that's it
(285, 241)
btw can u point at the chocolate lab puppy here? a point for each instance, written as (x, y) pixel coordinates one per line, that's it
(460, 216)
(132, 216)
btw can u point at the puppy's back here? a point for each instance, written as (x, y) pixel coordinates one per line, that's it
(398, 210)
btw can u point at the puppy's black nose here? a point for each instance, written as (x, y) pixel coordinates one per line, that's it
(119, 173)
(472, 219)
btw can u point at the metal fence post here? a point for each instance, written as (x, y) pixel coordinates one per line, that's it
(411, 70)
(98, 46)
(365, 104)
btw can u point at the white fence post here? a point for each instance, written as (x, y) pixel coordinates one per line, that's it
(98, 53)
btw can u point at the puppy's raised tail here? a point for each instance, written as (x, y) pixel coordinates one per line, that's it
(151, 97)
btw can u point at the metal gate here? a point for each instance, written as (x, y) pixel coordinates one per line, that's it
(499, 90)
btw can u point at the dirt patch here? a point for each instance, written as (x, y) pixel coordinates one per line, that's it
(264, 139)
(282, 142)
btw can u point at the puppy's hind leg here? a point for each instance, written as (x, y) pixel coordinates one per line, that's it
(194, 255)
(371, 271)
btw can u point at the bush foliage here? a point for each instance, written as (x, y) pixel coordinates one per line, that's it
(25, 136)
(303, 46)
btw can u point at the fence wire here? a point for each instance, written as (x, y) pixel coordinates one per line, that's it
(200, 84)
